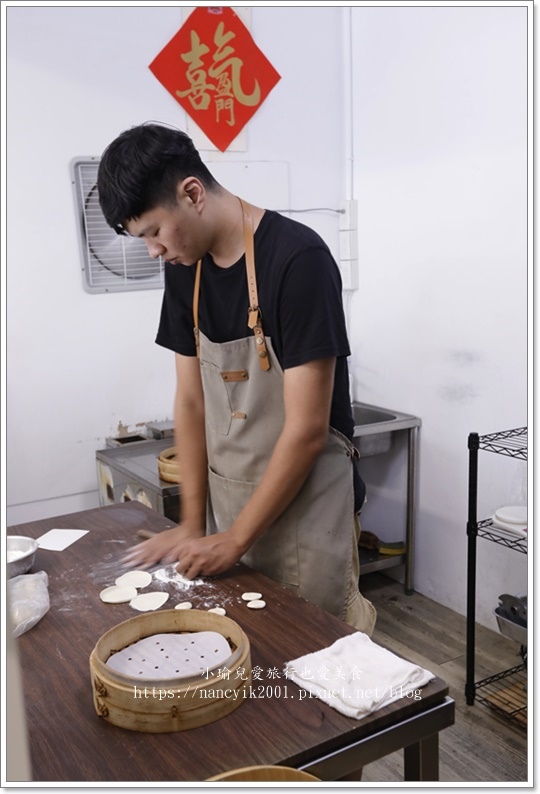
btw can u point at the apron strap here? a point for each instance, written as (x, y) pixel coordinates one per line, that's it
(254, 313)
(196, 306)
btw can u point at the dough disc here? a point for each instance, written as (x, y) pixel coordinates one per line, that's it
(218, 610)
(118, 594)
(184, 605)
(135, 579)
(147, 602)
(256, 604)
(251, 596)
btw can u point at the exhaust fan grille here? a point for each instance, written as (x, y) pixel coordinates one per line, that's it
(110, 262)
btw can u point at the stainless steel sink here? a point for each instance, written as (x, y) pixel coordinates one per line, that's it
(374, 427)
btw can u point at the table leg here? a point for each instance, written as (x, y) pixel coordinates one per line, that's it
(422, 759)
(417, 736)
(411, 509)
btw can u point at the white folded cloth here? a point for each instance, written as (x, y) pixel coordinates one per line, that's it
(356, 676)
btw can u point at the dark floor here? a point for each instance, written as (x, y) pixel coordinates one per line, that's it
(481, 746)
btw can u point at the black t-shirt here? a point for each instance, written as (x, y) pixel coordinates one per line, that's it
(299, 289)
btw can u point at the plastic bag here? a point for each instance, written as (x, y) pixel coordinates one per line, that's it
(28, 599)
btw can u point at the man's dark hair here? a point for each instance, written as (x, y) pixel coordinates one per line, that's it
(140, 170)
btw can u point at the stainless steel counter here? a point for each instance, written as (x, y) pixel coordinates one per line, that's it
(374, 434)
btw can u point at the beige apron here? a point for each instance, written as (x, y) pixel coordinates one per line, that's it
(311, 547)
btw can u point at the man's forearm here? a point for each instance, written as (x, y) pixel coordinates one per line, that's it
(307, 396)
(192, 459)
(292, 460)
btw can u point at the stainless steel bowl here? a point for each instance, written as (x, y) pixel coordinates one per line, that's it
(510, 628)
(20, 554)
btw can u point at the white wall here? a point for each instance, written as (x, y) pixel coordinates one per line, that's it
(79, 364)
(439, 324)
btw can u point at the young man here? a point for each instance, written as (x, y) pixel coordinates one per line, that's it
(263, 422)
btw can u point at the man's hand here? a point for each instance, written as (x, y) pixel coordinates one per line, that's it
(208, 556)
(195, 554)
(164, 547)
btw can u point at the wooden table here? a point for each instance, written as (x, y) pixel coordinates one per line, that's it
(69, 742)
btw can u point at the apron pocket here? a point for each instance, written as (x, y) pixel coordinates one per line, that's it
(217, 406)
(275, 552)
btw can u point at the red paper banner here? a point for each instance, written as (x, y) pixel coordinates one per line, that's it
(214, 69)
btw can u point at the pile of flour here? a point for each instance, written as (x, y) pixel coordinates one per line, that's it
(170, 575)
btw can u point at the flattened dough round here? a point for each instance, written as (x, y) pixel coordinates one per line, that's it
(251, 596)
(218, 610)
(147, 602)
(256, 604)
(184, 605)
(118, 594)
(136, 579)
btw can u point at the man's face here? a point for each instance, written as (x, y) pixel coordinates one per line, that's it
(172, 232)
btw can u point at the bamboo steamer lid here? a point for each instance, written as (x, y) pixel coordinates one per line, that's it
(136, 704)
(264, 773)
(168, 467)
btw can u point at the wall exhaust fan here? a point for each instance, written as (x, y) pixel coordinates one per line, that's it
(110, 262)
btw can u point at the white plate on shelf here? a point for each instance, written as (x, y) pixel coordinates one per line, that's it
(513, 514)
(520, 530)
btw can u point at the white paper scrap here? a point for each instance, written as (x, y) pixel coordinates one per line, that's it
(60, 539)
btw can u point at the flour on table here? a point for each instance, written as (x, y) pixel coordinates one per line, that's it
(171, 576)
(203, 591)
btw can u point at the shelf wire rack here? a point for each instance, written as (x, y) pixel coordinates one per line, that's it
(487, 530)
(506, 694)
(512, 443)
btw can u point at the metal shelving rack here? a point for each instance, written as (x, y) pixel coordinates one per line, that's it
(509, 700)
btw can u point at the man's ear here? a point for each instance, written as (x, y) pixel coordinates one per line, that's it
(192, 188)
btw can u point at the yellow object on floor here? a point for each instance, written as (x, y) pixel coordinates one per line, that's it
(370, 541)
(392, 548)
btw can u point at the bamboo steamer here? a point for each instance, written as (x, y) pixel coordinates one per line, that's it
(168, 467)
(165, 706)
(264, 773)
